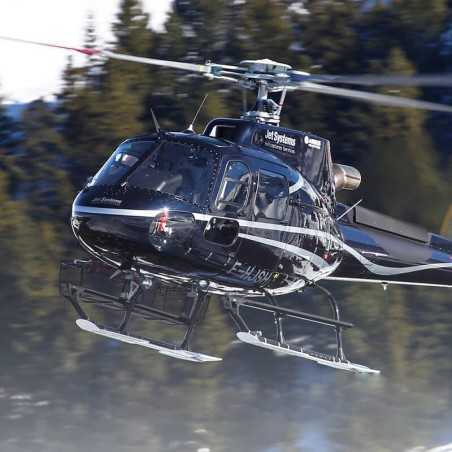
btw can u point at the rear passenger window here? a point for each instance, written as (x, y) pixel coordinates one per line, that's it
(235, 188)
(271, 197)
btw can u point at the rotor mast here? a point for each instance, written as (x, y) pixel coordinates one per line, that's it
(266, 110)
(265, 76)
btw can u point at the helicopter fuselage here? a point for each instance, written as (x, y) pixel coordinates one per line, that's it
(225, 209)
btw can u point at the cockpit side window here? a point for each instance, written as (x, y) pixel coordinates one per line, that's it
(235, 188)
(271, 197)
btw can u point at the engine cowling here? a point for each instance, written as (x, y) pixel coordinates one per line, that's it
(346, 177)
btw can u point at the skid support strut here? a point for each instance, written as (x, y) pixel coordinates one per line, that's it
(130, 302)
(197, 314)
(340, 355)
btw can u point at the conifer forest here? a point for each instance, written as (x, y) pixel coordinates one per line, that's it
(62, 390)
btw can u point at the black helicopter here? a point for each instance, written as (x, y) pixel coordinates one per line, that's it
(245, 209)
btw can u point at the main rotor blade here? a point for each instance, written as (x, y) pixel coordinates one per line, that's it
(214, 69)
(203, 68)
(443, 80)
(83, 50)
(379, 99)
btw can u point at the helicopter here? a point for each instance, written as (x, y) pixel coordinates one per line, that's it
(246, 209)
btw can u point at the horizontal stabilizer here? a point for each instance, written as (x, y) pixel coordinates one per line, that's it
(381, 249)
(319, 358)
(379, 221)
(161, 347)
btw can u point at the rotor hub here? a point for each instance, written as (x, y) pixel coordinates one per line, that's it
(265, 66)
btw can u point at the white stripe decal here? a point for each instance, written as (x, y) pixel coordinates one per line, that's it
(384, 270)
(113, 211)
(301, 252)
(371, 266)
(299, 184)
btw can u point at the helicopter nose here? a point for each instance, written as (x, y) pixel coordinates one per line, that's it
(167, 232)
(110, 233)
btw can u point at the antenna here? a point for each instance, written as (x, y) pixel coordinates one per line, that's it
(190, 127)
(348, 210)
(244, 101)
(156, 123)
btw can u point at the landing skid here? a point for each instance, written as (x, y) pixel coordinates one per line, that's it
(162, 347)
(254, 338)
(279, 344)
(137, 300)
(128, 303)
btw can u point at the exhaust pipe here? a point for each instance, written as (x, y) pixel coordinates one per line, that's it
(346, 177)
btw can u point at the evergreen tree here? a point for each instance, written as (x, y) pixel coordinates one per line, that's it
(125, 84)
(420, 26)
(329, 36)
(81, 110)
(133, 37)
(131, 28)
(204, 26)
(44, 179)
(195, 32)
(8, 128)
(84, 112)
(93, 69)
(401, 155)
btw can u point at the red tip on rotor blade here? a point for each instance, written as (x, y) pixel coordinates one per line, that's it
(84, 50)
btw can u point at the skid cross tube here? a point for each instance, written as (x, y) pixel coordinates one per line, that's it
(77, 294)
(104, 300)
(294, 313)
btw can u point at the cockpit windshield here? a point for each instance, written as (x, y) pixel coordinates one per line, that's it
(181, 170)
(121, 162)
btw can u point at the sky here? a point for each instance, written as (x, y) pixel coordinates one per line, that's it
(28, 72)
